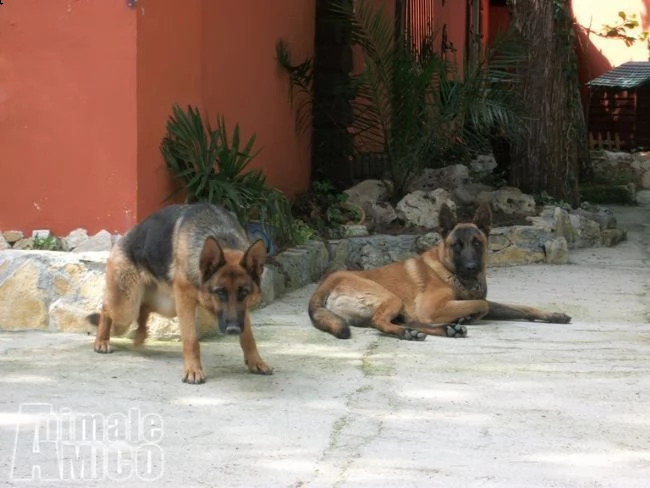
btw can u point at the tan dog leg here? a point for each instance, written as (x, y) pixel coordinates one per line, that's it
(122, 302)
(186, 309)
(500, 311)
(141, 332)
(252, 357)
(468, 310)
(102, 339)
(389, 308)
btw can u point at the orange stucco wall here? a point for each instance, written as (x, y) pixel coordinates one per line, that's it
(242, 82)
(67, 115)
(452, 14)
(86, 88)
(169, 71)
(498, 21)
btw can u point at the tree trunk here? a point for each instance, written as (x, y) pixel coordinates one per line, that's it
(332, 145)
(549, 159)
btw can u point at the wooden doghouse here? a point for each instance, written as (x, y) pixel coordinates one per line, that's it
(619, 107)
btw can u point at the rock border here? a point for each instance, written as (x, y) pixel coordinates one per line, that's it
(55, 290)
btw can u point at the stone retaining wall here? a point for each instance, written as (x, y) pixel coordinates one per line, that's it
(55, 291)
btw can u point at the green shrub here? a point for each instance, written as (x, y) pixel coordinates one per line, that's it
(212, 166)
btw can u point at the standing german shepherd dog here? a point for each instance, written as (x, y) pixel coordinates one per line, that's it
(434, 293)
(184, 260)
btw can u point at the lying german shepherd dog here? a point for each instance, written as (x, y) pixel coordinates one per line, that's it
(432, 294)
(190, 261)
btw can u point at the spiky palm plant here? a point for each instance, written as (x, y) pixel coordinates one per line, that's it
(212, 166)
(416, 105)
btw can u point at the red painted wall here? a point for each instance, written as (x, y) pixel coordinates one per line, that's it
(242, 82)
(86, 88)
(67, 115)
(452, 14)
(169, 71)
(498, 21)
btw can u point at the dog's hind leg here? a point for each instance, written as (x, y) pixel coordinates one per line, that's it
(324, 319)
(122, 301)
(500, 311)
(141, 332)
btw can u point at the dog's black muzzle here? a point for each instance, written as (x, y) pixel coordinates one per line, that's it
(231, 326)
(469, 270)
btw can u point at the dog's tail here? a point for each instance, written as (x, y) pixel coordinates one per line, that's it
(116, 329)
(93, 318)
(324, 319)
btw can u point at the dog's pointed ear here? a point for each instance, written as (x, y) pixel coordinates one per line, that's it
(211, 258)
(483, 218)
(446, 220)
(254, 258)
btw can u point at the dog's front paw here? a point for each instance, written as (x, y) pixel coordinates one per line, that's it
(102, 347)
(413, 335)
(558, 318)
(456, 330)
(258, 366)
(194, 375)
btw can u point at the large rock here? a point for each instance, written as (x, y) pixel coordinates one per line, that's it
(468, 194)
(49, 290)
(339, 251)
(426, 241)
(515, 255)
(368, 193)
(68, 314)
(586, 232)
(24, 244)
(519, 244)
(511, 201)
(421, 208)
(615, 165)
(4, 244)
(557, 251)
(643, 198)
(74, 239)
(586, 227)
(354, 230)
(372, 257)
(357, 254)
(381, 213)
(604, 216)
(644, 184)
(618, 166)
(273, 284)
(24, 301)
(611, 237)
(13, 236)
(303, 264)
(563, 227)
(102, 241)
(483, 163)
(448, 178)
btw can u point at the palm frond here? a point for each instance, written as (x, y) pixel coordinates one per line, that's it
(211, 165)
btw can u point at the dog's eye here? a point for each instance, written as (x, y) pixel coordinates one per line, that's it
(243, 293)
(222, 293)
(457, 245)
(476, 243)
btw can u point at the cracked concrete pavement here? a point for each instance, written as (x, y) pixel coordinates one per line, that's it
(512, 405)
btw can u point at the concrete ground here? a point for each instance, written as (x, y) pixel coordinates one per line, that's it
(513, 405)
